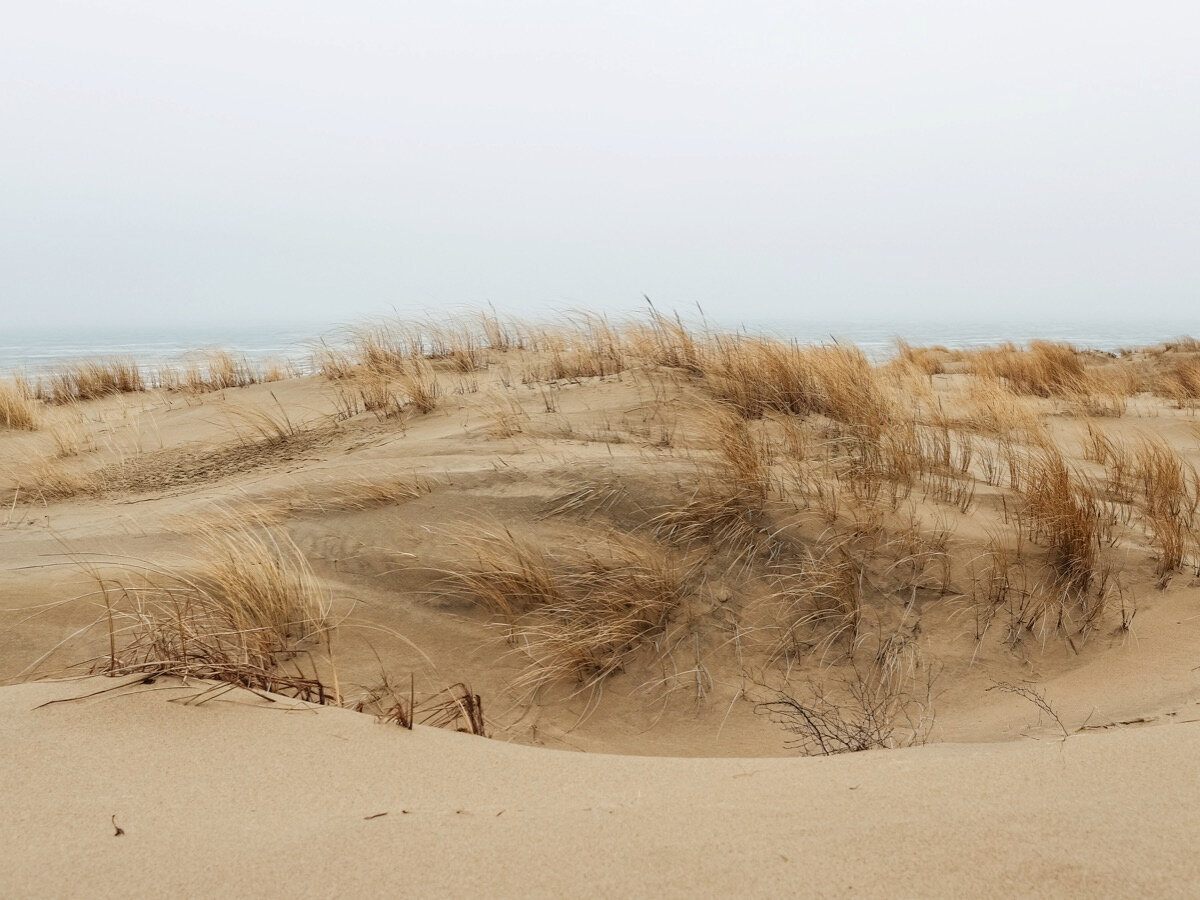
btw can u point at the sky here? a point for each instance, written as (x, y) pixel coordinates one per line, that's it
(300, 162)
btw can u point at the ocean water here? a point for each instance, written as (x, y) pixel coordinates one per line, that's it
(43, 350)
(46, 349)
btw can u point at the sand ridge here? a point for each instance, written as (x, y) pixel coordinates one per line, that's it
(236, 796)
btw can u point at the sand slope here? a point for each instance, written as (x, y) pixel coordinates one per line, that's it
(240, 797)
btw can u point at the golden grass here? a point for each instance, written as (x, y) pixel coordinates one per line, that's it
(581, 614)
(726, 510)
(362, 493)
(818, 602)
(262, 424)
(929, 361)
(92, 380)
(757, 375)
(249, 612)
(50, 479)
(18, 408)
(1046, 369)
(1058, 508)
(218, 370)
(1171, 495)
(1180, 382)
(588, 348)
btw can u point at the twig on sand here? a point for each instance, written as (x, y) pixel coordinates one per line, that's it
(1031, 694)
(141, 679)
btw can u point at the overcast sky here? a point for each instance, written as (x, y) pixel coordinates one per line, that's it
(315, 161)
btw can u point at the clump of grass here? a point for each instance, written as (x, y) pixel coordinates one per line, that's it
(507, 417)
(92, 380)
(50, 479)
(272, 426)
(218, 370)
(421, 387)
(581, 615)
(1118, 461)
(1180, 382)
(1059, 509)
(363, 493)
(591, 348)
(727, 509)
(995, 410)
(759, 375)
(1055, 370)
(18, 409)
(249, 612)
(1046, 369)
(386, 389)
(929, 361)
(818, 602)
(1171, 491)
(666, 341)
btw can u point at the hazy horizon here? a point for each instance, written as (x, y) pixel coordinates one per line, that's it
(309, 164)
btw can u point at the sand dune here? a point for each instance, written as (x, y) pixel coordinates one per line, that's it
(629, 541)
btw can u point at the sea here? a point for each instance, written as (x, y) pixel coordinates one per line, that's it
(44, 350)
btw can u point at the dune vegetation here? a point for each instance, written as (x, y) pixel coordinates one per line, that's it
(591, 523)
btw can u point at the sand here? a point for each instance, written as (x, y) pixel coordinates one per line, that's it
(1052, 760)
(238, 796)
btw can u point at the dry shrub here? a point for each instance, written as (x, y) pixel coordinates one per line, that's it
(91, 380)
(878, 706)
(580, 615)
(18, 409)
(249, 612)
